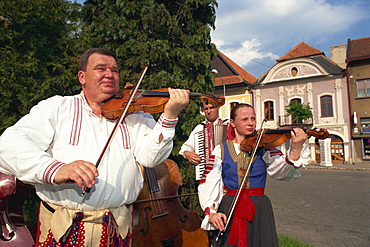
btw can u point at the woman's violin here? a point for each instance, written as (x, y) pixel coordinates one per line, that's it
(273, 138)
(150, 101)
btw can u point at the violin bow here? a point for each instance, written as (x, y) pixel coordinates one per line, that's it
(119, 121)
(245, 177)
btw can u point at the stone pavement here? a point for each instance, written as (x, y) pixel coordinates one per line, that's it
(326, 207)
(358, 167)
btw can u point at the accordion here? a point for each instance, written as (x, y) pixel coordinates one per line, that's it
(204, 145)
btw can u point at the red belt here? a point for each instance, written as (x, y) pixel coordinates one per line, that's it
(244, 211)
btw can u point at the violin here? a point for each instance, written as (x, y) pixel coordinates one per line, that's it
(272, 138)
(150, 101)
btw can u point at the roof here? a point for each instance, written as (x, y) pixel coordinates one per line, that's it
(358, 49)
(301, 50)
(330, 67)
(228, 72)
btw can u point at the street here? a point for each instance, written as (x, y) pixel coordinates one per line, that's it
(323, 208)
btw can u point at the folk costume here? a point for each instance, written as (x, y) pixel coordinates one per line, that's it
(61, 130)
(201, 141)
(207, 128)
(252, 223)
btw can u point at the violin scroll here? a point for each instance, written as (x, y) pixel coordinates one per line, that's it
(210, 99)
(320, 134)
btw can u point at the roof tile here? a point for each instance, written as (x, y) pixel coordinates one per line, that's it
(301, 50)
(241, 76)
(358, 48)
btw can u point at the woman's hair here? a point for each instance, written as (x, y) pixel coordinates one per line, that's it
(235, 108)
(82, 63)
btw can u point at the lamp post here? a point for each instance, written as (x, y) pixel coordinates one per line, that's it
(215, 71)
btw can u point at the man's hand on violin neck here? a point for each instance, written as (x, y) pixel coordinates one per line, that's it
(81, 172)
(299, 137)
(179, 99)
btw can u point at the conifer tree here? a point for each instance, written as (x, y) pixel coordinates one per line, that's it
(36, 53)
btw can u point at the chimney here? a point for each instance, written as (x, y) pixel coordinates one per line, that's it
(338, 55)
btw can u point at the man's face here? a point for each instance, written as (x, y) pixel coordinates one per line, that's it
(211, 112)
(100, 81)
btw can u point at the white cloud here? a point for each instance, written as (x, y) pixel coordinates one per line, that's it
(279, 8)
(248, 51)
(257, 29)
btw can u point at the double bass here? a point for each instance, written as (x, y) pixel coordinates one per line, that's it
(159, 218)
(11, 235)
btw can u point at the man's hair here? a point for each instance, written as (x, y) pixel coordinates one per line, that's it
(82, 63)
(235, 108)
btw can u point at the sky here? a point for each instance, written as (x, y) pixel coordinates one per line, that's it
(254, 33)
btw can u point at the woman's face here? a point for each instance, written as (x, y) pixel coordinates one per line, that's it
(245, 121)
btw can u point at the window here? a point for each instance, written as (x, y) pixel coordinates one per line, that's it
(326, 106)
(366, 148)
(294, 71)
(269, 110)
(365, 122)
(363, 88)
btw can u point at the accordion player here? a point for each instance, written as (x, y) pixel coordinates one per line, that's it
(202, 141)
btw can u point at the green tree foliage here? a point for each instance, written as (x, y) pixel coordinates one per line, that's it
(173, 36)
(41, 41)
(36, 52)
(299, 111)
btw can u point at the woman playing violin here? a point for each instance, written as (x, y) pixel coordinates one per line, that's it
(252, 221)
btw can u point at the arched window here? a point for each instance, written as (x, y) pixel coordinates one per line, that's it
(269, 110)
(326, 106)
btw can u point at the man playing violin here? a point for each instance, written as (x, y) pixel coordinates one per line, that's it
(252, 222)
(56, 145)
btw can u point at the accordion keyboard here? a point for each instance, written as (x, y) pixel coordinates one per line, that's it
(200, 148)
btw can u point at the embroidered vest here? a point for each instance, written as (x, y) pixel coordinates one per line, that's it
(234, 166)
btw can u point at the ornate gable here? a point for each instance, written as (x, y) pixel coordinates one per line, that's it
(294, 69)
(303, 61)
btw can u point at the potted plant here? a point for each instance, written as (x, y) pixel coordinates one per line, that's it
(300, 113)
